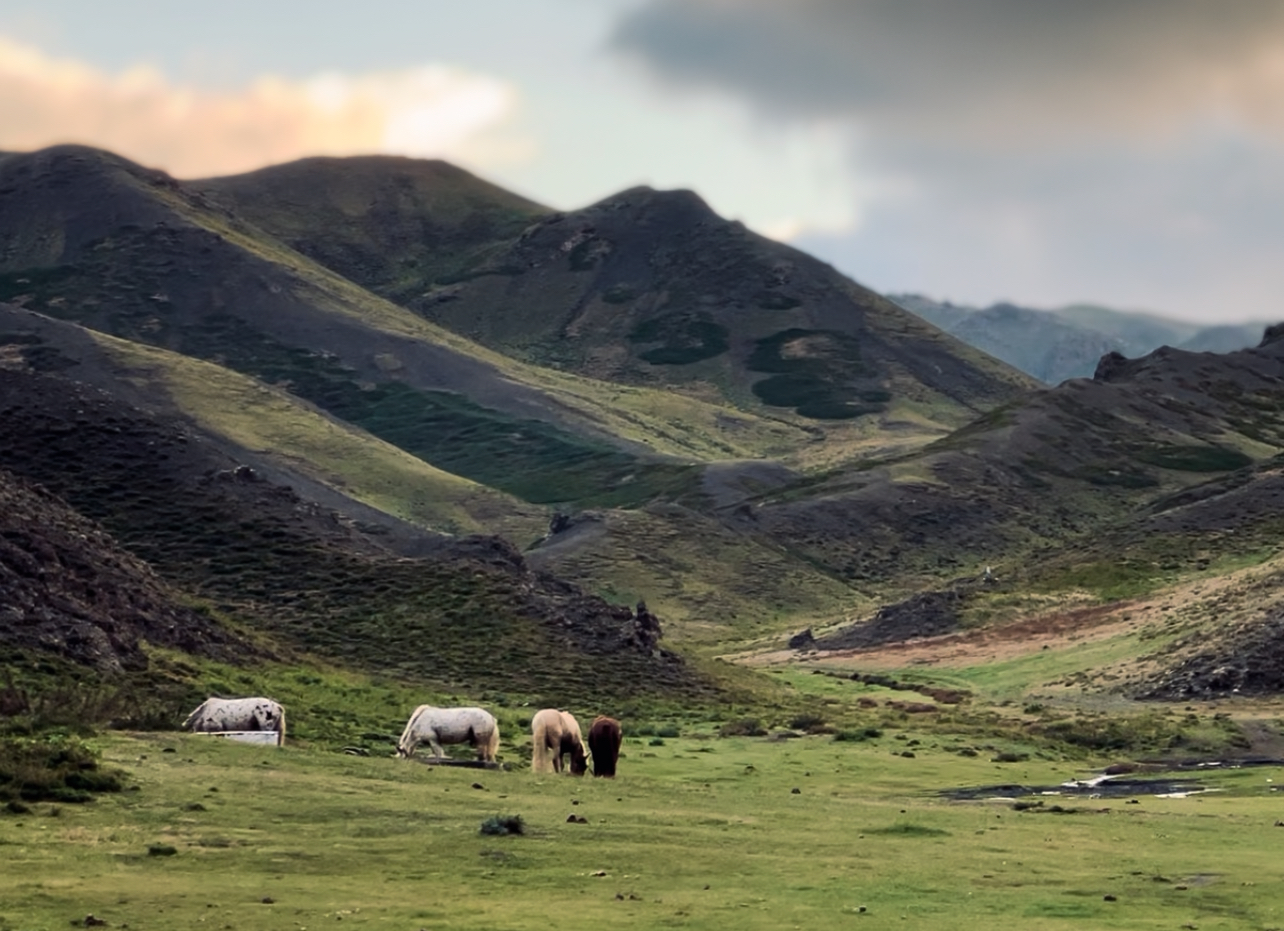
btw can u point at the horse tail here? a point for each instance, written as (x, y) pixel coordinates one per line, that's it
(492, 743)
(280, 729)
(195, 715)
(542, 753)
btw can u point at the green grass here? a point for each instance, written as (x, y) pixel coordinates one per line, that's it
(530, 459)
(695, 833)
(273, 422)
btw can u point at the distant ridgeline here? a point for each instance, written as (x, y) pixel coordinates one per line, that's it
(1053, 345)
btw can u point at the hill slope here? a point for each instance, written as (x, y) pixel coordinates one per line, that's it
(645, 287)
(265, 427)
(68, 588)
(1065, 463)
(155, 263)
(307, 578)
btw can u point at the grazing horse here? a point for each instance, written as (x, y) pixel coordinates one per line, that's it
(238, 714)
(556, 733)
(473, 726)
(604, 744)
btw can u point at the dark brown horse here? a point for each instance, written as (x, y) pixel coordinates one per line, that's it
(604, 744)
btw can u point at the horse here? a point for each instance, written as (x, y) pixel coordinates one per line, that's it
(556, 733)
(604, 743)
(238, 714)
(474, 726)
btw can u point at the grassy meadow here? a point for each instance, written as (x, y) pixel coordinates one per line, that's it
(698, 832)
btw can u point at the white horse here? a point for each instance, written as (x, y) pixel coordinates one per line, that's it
(555, 733)
(474, 726)
(238, 714)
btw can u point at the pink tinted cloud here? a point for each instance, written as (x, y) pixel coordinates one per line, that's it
(430, 111)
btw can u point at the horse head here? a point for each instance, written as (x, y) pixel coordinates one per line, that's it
(579, 760)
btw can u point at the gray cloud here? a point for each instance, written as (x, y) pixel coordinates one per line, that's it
(1043, 151)
(1047, 68)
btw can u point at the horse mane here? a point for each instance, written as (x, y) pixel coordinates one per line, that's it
(541, 752)
(407, 735)
(491, 747)
(191, 718)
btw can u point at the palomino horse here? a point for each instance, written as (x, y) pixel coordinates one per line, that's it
(474, 726)
(604, 744)
(238, 714)
(556, 733)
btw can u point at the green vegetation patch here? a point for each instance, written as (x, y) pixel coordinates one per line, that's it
(51, 768)
(1195, 458)
(817, 373)
(527, 458)
(908, 830)
(684, 339)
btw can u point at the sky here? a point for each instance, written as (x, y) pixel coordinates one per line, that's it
(1120, 152)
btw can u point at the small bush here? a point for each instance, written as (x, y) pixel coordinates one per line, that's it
(51, 768)
(668, 730)
(908, 830)
(807, 722)
(503, 824)
(744, 727)
(868, 733)
(656, 742)
(161, 850)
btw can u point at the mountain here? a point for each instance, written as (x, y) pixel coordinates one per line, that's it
(644, 288)
(257, 560)
(154, 263)
(394, 225)
(381, 415)
(1064, 464)
(1053, 345)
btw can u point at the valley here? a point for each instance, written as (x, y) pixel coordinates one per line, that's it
(366, 433)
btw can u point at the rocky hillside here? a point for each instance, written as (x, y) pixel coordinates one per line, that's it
(68, 588)
(300, 575)
(1062, 464)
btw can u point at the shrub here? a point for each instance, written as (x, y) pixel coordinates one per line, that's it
(51, 768)
(807, 722)
(868, 733)
(656, 742)
(744, 727)
(503, 824)
(161, 850)
(668, 730)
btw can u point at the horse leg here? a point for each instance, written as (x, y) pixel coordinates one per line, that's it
(433, 744)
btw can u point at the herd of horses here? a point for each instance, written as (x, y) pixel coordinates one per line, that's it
(555, 734)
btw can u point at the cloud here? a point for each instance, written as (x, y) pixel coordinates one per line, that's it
(429, 111)
(1036, 150)
(1022, 72)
